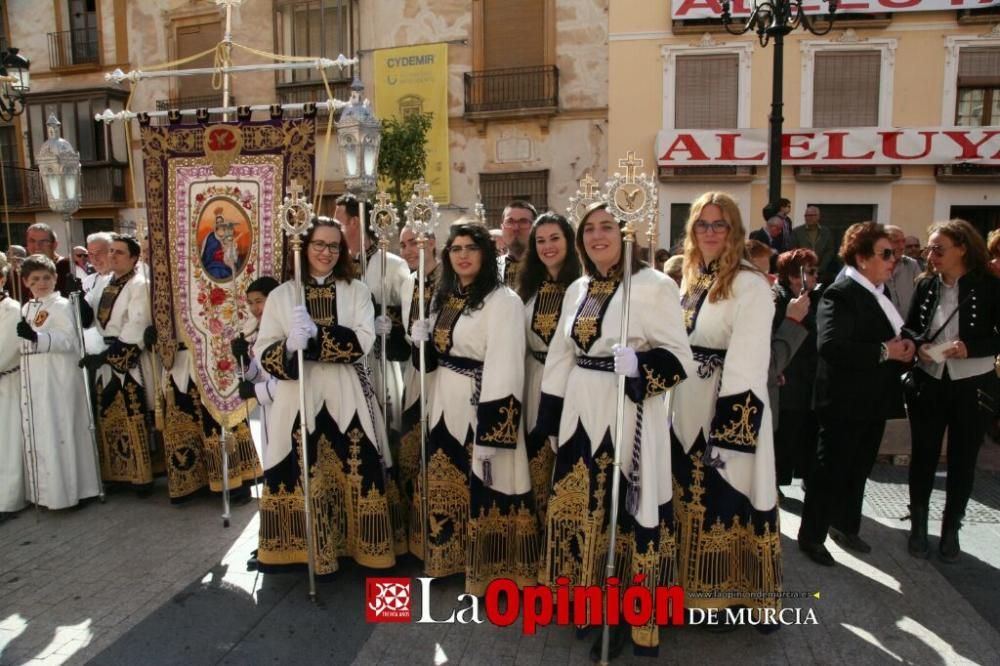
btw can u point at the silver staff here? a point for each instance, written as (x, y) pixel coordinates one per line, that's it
(630, 200)
(224, 231)
(385, 222)
(296, 214)
(363, 258)
(421, 216)
(74, 301)
(27, 412)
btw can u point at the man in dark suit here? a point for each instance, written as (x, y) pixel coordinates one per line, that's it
(772, 233)
(819, 239)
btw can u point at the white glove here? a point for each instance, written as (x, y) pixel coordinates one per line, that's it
(302, 322)
(626, 362)
(420, 330)
(383, 325)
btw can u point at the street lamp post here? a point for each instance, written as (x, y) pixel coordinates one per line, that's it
(775, 19)
(59, 167)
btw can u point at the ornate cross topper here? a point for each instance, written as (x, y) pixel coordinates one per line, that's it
(421, 210)
(295, 212)
(631, 198)
(385, 219)
(584, 199)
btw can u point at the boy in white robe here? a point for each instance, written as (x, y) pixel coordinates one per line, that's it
(11, 444)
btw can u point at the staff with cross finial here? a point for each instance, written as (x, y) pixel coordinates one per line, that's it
(630, 199)
(421, 216)
(226, 233)
(385, 221)
(296, 214)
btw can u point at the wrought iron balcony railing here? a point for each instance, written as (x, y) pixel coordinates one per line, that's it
(23, 189)
(103, 184)
(515, 90)
(71, 48)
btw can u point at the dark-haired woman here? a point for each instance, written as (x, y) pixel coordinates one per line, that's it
(551, 264)
(578, 406)
(857, 387)
(482, 519)
(957, 307)
(729, 548)
(353, 505)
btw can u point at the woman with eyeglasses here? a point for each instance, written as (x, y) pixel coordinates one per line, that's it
(955, 323)
(723, 447)
(355, 505)
(795, 436)
(578, 407)
(551, 264)
(482, 518)
(861, 356)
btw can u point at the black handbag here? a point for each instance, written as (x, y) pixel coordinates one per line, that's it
(914, 380)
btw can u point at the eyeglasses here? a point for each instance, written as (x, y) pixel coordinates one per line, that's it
(517, 223)
(718, 227)
(938, 250)
(319, 246)
(886, 254)
(463, 249)
(82, 256)
(810, 271)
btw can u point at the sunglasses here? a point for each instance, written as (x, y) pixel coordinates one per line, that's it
(81, 256)
(885, 254)
(937, 250)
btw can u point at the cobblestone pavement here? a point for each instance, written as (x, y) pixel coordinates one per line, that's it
(140, 581)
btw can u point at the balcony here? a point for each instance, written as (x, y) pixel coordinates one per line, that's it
(195, 102)
(312, 91)
(512, 93)
(103, 184)
(24, 189)
(75, 48)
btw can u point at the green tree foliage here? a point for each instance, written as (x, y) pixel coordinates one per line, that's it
(402, 158)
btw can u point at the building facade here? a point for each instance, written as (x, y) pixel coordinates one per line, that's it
(527, 89)
(892, 117)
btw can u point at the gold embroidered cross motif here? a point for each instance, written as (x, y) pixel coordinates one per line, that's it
(548, 305)
(588, 318)
(739, 430)
(505, 433)
(445, 325)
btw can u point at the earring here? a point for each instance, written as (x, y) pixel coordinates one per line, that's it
(864, 267)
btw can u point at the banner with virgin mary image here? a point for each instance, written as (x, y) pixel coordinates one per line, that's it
(212, 194)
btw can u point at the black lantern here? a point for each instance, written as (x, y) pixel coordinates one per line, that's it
(16, 82)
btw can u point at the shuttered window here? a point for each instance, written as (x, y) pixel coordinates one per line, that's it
(978, 87)
(192, 39)
(513, 34)
(846, 88)
(499, 189)
(707, 91)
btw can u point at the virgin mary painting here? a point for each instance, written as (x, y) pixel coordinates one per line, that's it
(223, 238)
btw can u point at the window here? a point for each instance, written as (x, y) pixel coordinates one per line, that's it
(197, 91)
(513, 33)
(846, 89)
(978, 87)
(679, 213)
(320, 28)
(499, 189)
(837, 217)
(703, 105)
(847, 81)
(95, 141)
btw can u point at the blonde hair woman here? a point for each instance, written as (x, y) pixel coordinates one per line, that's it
(723, 449)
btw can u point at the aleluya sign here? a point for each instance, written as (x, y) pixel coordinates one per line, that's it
(847, 146)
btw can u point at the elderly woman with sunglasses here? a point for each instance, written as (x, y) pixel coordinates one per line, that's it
(861, 356)
(726, 513)
(955, 321)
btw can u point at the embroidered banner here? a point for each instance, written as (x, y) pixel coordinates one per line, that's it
(212, 192)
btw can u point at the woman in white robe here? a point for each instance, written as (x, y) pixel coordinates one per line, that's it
(63, 461)
(551, 263)
(482, 519)
(729, 549)
(11, 444)
(354, 505)
(578, 405)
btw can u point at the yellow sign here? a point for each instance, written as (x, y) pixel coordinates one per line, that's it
(414, 79)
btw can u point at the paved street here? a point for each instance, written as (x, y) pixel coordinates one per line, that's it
(139, 581)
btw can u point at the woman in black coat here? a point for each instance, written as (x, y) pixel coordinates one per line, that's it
(857, 382)
(957, 311)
